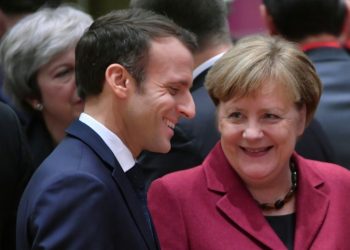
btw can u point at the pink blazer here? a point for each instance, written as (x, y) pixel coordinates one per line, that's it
(209, 208)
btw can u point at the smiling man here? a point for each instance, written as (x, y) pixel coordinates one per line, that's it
(134, 71)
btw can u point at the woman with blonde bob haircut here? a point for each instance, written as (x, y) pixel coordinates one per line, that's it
(253, 191)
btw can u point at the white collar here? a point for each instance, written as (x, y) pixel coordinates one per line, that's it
(120, 151)
(207, 64)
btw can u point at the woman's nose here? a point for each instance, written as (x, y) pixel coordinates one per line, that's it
(252, 133)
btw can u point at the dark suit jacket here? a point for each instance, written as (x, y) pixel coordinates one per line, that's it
(80, 198)
(15, 170)
(314, 144)
(333, 112)
(192, 140)
(209, 207)
(39, 139)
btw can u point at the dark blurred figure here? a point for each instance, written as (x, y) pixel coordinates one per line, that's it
(38, 60)
(15, 169)
(193, 139)
(317, 25)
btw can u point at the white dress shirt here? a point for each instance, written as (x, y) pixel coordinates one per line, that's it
(120, 151)
(208, 63)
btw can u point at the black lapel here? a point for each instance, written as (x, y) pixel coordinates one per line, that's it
(199, 80)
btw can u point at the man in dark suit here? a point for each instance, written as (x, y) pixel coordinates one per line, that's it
(193, 139)
(134, 71)
(15, 170)
(317, 25)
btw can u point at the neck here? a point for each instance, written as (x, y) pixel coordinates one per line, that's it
(278, 189)
(55, 128)
(106, 111)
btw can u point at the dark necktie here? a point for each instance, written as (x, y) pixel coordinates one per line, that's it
(136, 177)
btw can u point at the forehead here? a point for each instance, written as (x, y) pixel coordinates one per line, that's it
(268, 86)
(168, 47)
(168, 57)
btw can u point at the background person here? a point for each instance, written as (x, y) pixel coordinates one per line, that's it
(38, 60)
(134, 71)
(253, 191)
(13, 11)
(15, 170)
(317, 25)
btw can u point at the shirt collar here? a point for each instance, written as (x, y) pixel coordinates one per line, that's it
(120, 151)
(320, 44)
(208, 63)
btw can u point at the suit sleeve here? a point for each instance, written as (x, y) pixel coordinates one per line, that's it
(73, 212)
(15, 170)
(314, 144)
(167, 217)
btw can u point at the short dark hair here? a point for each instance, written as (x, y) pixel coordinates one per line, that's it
(298, 19)
(123, 37)
(207, 19)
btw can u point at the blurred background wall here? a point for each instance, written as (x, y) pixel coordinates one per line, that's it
(244, 15)
(244, 18)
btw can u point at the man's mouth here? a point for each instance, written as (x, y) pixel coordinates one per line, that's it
(169, 123)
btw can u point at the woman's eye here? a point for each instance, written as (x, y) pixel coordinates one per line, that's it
(64, 75)
(271, 116)
(235, 115)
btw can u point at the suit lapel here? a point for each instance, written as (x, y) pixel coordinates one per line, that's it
(236, 203)
(84, 133)
(199, 80)
(134, 206)
(312, 205)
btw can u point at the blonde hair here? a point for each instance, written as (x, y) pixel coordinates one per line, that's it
(255, 61)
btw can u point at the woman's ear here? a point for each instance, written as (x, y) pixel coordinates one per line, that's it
(35, 104)
(219, 115)
(302, 120)
(118, 78)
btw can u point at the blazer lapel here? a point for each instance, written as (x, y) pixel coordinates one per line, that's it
(134, 206)
(199, 80)
(84, 133)
(237, 204)
(311, 205)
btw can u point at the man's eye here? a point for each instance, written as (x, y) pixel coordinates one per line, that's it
(173, 91)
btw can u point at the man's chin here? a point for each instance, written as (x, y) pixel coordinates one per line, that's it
(165, 148)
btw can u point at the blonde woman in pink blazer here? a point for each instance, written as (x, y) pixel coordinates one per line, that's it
(253, 191)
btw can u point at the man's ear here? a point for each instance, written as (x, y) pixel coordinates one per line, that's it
(118, 78)
(268, 20)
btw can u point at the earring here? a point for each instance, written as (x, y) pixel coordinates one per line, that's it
(38, 106)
